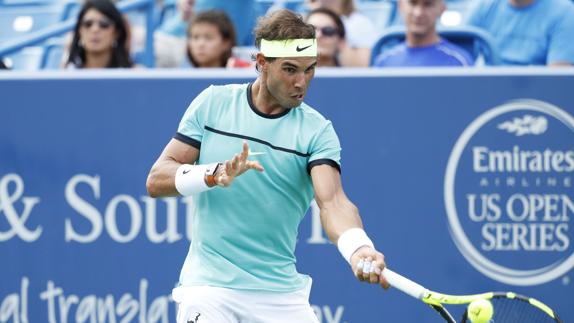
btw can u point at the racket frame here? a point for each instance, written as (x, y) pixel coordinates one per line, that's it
(436, 300)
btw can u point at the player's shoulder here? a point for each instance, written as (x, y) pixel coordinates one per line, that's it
(216, 98)
(220, 96)
(227, 91)
(311, 116)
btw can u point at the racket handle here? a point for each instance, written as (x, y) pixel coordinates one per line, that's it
(404, 284)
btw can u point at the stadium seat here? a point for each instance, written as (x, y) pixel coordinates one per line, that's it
(28, 59)
(475, 41)
(70, 10)
(16, 21)
(52, 54)
(165, 12)
(6, 3)
(381, 13)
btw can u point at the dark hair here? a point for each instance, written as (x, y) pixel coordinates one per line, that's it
(225, 27)
(280, 25)
(120, 55)
(335, 17)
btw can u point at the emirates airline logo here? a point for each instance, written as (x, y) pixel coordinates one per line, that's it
(509, 192)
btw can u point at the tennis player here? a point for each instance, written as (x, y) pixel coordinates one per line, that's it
(253, 156)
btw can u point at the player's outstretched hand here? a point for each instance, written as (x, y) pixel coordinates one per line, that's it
(236, 166)
(368, 264)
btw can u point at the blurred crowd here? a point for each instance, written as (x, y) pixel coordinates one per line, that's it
(217, 33)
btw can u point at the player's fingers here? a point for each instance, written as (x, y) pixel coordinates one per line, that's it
(235, 164)
(380, 258)
(382, 281)
(375, 272)
(229, 168)
(254, 165)
(367, 269)
(223, 180)
(242, 164)
(359, 269)
(245, 151)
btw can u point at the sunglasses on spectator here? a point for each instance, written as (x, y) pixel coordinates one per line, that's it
(103, 24)
(328, 31)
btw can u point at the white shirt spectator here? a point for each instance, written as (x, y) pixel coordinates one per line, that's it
(360, 31)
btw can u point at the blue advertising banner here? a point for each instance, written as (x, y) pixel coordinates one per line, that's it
(464, 180)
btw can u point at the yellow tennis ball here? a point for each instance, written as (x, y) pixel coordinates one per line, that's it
(480, 311)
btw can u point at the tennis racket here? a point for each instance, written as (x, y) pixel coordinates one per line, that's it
(508, 307)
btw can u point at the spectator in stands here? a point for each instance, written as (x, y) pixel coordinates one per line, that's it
(210, 41)
(423, 46)
(100, 37)
(330, 33)
(360, 32)
(241, 12)
(170, 37)
(178, 23)
(528, 32)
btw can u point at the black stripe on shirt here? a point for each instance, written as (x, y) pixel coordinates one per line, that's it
(185, 139)
(229, 134)
(323, 161)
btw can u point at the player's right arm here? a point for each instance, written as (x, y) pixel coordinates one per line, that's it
(161, 178)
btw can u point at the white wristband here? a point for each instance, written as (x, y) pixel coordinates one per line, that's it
(351, 240)
(190, 179)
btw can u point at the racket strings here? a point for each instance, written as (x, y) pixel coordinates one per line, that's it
(507, 310)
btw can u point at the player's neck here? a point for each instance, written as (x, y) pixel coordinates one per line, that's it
(422, 41)
(263, 100)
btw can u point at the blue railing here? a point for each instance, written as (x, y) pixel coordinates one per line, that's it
(61, 28)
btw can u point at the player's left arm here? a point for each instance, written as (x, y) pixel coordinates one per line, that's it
(338, 215)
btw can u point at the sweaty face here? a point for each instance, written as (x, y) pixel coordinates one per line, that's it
(327, 34)
(288, 79)
(421, 15)
(97, 32)
(207, 45)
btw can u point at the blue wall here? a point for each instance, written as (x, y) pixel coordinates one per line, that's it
(77, 231)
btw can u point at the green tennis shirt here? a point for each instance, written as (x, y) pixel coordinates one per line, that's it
(244, 236)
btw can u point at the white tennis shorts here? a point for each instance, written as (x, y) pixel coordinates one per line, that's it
(207, 304)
